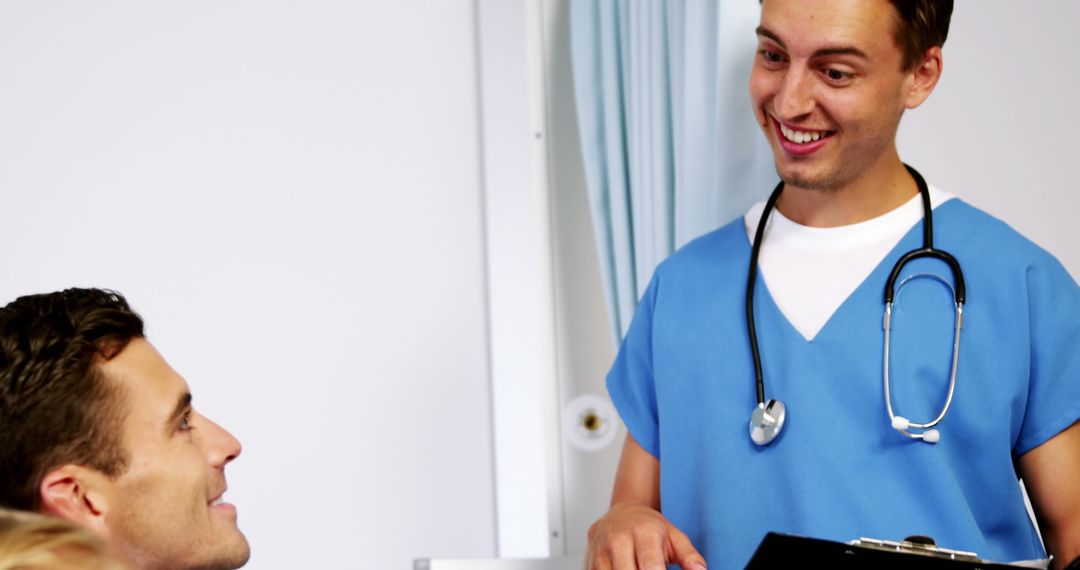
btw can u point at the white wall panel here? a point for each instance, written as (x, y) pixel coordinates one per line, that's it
(521, 290)
(585, 346)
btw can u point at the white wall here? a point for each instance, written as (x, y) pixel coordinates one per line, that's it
(290, 195)
(999, 129)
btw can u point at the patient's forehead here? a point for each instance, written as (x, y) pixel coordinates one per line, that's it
(149, 387)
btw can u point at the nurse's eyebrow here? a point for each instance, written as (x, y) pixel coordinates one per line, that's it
(842, 50)
(823, 52)
(182, 406)
(763, 31)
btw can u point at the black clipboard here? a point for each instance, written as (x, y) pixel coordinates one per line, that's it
(788, 551)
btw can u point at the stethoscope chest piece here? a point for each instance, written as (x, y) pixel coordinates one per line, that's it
(766, 421)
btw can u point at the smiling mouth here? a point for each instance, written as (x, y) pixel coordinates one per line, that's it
(802, 136)
(218, 500)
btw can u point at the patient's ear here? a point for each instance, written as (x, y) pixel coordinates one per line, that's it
(78, 494)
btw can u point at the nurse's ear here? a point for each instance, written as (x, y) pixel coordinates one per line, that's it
(78, 494)
(922, 78)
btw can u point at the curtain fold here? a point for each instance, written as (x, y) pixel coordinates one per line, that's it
(669, 140)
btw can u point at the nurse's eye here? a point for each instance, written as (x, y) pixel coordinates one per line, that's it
(770, 56)
(835, 75)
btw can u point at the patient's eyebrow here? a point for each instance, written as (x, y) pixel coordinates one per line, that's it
(182, 406)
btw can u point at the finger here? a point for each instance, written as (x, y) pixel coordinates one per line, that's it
(598, 561)
(649, 551)
(685, 555)
(621, 551)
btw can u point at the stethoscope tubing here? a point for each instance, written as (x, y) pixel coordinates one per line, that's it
(957, 326)
(751, 281)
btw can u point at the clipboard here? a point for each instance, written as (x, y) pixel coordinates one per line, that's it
(789, 551)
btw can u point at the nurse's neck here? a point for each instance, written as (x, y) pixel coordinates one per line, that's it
(876, 191)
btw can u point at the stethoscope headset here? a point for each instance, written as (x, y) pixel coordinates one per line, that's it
(768, 417)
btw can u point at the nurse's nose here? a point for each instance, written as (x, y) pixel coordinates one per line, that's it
(794, 99)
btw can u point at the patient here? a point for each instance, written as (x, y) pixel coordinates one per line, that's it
(96, 428)
(30, 541)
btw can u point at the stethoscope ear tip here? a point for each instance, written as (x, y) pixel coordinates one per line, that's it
(902, 424)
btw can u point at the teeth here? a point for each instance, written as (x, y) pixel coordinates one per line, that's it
(800, 137)
(217, 501)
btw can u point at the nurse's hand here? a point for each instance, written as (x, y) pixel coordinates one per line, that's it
(632, 536)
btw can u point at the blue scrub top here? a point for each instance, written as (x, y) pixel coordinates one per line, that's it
(683, 382)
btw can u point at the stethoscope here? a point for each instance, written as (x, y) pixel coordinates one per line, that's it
(767, 419)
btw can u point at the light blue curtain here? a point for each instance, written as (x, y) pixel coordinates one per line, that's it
(669, 140)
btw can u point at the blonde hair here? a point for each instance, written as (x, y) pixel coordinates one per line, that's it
(31, 541)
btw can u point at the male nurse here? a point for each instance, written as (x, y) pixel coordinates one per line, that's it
(830, 82)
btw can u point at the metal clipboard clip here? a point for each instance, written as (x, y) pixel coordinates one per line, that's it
(922, 545)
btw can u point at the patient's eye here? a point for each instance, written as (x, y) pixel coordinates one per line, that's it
(185, 421)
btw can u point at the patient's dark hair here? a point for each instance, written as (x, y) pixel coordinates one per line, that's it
(56, 406)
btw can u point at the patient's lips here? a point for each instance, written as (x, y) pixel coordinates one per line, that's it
(218, 504)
